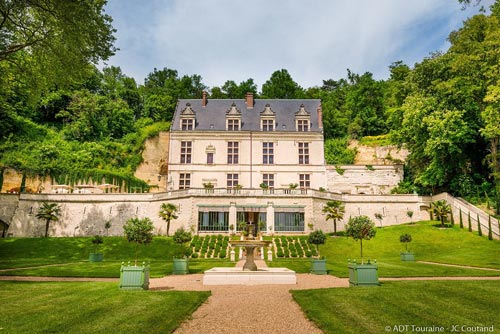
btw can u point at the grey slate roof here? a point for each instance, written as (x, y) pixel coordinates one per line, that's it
(213, 115)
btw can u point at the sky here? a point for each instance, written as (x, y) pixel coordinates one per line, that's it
(314, 40)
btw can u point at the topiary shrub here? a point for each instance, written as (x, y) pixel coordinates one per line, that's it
(406, 239)
(317, 238)
(361, 228)
(181, 237)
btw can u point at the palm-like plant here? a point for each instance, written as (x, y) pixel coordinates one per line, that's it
(335, 211)
(168, 213)
(48, 212)
(441, 210)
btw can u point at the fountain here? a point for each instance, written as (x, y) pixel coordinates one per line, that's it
(249, 274)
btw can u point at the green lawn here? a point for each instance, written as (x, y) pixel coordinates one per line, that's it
(71, 257)
(380, 309)
(92, 308)
(430, 243)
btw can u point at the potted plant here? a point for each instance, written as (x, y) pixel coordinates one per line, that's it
(181, 260)
(209, 187)
(362, 228)
(237, 188)
(139, 232)
(262, 227)
(96, 256)
(318, 265)
(406, 255)
(243, 227)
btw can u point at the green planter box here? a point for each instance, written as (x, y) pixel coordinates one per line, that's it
(363, 274)
(95, 257)
(134, 277)
(407, 257)
(181, 267)
(318, 267)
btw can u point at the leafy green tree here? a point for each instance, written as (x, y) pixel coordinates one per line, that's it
(334, 211)
(317, 238)
(49, 212)
(441, 209)
(281, 86)
(168, 213)
(406, 239)
(337, 152)
(361, 228)
(138, 231)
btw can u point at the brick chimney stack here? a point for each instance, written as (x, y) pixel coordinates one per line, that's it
(320, 117)
(204, 99)
(249, 100)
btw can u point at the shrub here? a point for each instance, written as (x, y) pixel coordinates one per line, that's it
(222, 254)
(308, 253)
(279, 253)
(406, 239)
(361, 228)
(293, 254)
(317, 238)
(194, 255)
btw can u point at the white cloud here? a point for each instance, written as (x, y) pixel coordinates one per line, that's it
(314, 40)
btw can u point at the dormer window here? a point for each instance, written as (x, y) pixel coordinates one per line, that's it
(267, 119)
(187, 118)
(233, 118)
(302, 119)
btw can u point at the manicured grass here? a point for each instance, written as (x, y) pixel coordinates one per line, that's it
(380, 309)
(71, 255)
(92, 308)
(430, 243)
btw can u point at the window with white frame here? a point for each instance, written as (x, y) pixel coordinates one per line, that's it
(233, 124)
(302, 125)
(268, 125)
(187, 124)
(184, 181)
(186, 147)
(305, 181)
(232, 152)
(268, 179)
(303, 153)
(268, 153)
(232, 180)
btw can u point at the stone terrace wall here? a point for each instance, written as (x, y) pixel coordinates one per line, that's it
(355, 179)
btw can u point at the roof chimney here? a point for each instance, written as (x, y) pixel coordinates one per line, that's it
(249, 100)
(204, 99)
(320, 117)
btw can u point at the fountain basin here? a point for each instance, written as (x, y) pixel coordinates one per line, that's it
(250, 245)
(237, 276)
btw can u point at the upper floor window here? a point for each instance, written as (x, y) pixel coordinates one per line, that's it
(302, 119)
(186, 148)
(210, 158)
(268, 125)
(233, 118)
(302, 125)
(188, 118)
(268, 179)
(268, 153)
(187, 124)
(303, 153)
(233, 124)
(232, 152)
(267, 119)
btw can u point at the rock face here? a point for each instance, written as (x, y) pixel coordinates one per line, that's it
(155, 162)
(378, 155)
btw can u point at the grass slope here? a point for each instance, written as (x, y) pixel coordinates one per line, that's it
(71, 257)
(430, 243)
(422, 304)
(92, 308)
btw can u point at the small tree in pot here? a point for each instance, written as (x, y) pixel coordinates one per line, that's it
(96, 256)
(140, 232)
(406, 255)
(181, 262)
(362, 228)
(318, 266)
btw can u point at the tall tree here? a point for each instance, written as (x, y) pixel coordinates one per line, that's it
(335, 211)
(49, 212)
(168, 213)
(281, 86)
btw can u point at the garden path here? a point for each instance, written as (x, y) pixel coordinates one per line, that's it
(458, 266)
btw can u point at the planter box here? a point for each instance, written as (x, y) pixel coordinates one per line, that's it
(318, 267)
(181, 267)
(134, 277)
(363, 274)
(95, 257)
(407, 257)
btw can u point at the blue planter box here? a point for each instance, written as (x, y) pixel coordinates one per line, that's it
(96, 257)
(134, 277)
(318, 267)
(363, 274)
(407, 257)
(181, 267)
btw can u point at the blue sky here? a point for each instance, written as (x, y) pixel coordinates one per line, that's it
(314, 40)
